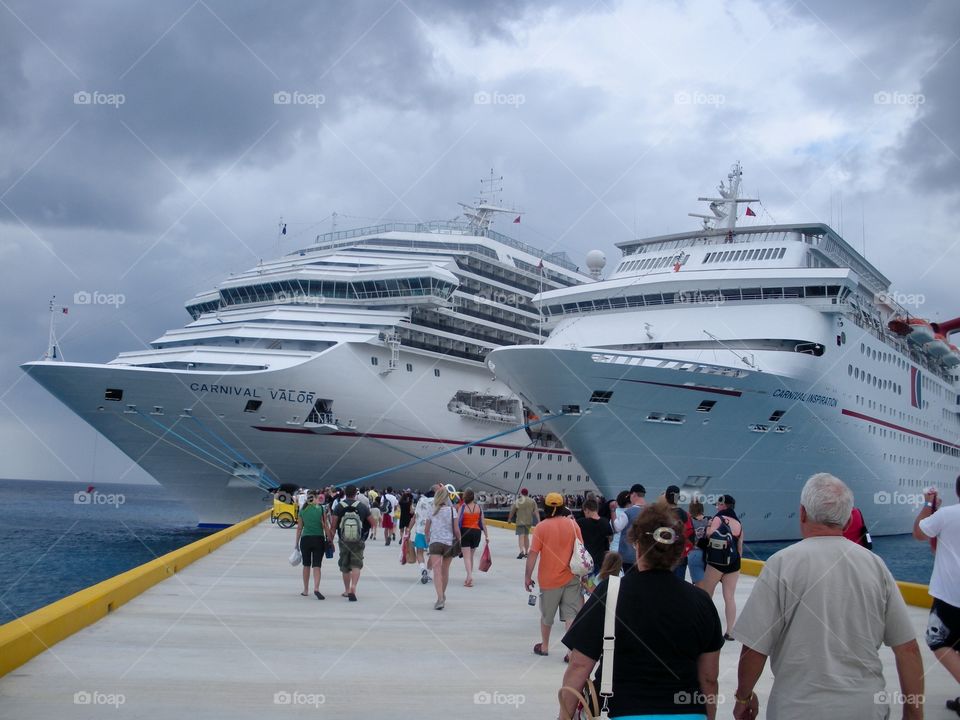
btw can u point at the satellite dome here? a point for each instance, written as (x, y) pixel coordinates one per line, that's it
(596, 261)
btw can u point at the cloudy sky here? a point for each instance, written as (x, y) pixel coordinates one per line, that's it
(145, 151)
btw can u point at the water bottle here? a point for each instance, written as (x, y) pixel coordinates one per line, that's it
(532, 599)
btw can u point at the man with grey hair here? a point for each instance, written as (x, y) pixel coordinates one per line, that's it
(821, 609)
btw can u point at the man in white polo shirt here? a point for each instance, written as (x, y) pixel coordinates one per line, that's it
(943, 628)
(820, 610)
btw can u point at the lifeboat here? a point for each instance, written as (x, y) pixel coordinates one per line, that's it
(938, 347)
(900, 326)
(921, 331)
(952, 358)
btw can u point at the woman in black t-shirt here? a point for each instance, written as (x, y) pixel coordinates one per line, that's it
(667, 633)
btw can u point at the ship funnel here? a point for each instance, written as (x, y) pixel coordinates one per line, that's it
(946, 327)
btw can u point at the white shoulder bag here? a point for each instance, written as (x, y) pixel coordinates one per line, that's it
(581, 563)
(592, 709)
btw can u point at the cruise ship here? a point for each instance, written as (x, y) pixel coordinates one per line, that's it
(741, 360)
(361, 352)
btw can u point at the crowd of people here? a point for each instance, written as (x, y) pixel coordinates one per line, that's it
(820, 609)
(436, 525)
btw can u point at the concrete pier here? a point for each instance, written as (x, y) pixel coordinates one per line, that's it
(230, 636)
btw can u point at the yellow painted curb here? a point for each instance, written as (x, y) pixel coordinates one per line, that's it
(500, 524)
(913, 593)
(30, 635)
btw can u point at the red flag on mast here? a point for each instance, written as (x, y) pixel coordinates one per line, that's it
(516, 219)
(750, 213)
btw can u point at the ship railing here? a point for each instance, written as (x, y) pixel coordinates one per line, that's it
(450, 227)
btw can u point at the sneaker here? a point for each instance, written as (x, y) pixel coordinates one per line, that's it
(424, 578)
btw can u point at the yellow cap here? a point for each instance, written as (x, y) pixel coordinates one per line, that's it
(553, 499)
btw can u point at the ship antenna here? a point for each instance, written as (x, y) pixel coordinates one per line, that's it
(53, 346)
(481, 213)
(725, 207)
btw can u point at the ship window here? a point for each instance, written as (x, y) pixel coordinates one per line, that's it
(506, 474)
(436, 372)
(777, 414)
(483, 451)
(253, 405)
(374, 361)
(409, 367)
(816, 291)
(469, 451)
(157, 410)
(529, 475)
(772, 293)
(516, 476)
(493, 452)
(781, 252)
(549, 476)
(751, 293)
(114, 394)
(539, 476)
(706, 406)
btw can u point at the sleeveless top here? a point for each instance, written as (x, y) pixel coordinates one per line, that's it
(471, 520)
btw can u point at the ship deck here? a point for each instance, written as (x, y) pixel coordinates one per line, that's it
(230, 636)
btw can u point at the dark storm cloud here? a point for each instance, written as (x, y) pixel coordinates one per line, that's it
(882, 36)
(932, 146)
(198, 83)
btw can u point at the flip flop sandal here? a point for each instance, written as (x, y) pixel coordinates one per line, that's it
(538, 650)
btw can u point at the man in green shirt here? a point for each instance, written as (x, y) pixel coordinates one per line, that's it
(528, 514)
(313, 529)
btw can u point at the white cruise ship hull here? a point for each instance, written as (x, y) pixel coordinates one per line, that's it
(190, 431)
(653, 430)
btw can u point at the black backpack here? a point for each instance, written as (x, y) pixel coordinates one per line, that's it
(721, 547)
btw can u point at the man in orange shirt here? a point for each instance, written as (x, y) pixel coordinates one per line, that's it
(559, 588)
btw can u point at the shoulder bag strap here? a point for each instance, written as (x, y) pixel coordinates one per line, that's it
(609, 638)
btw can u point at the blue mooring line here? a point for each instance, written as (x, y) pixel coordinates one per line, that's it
(403, 466)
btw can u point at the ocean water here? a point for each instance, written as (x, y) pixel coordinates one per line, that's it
(908, 559)
(51, 545)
